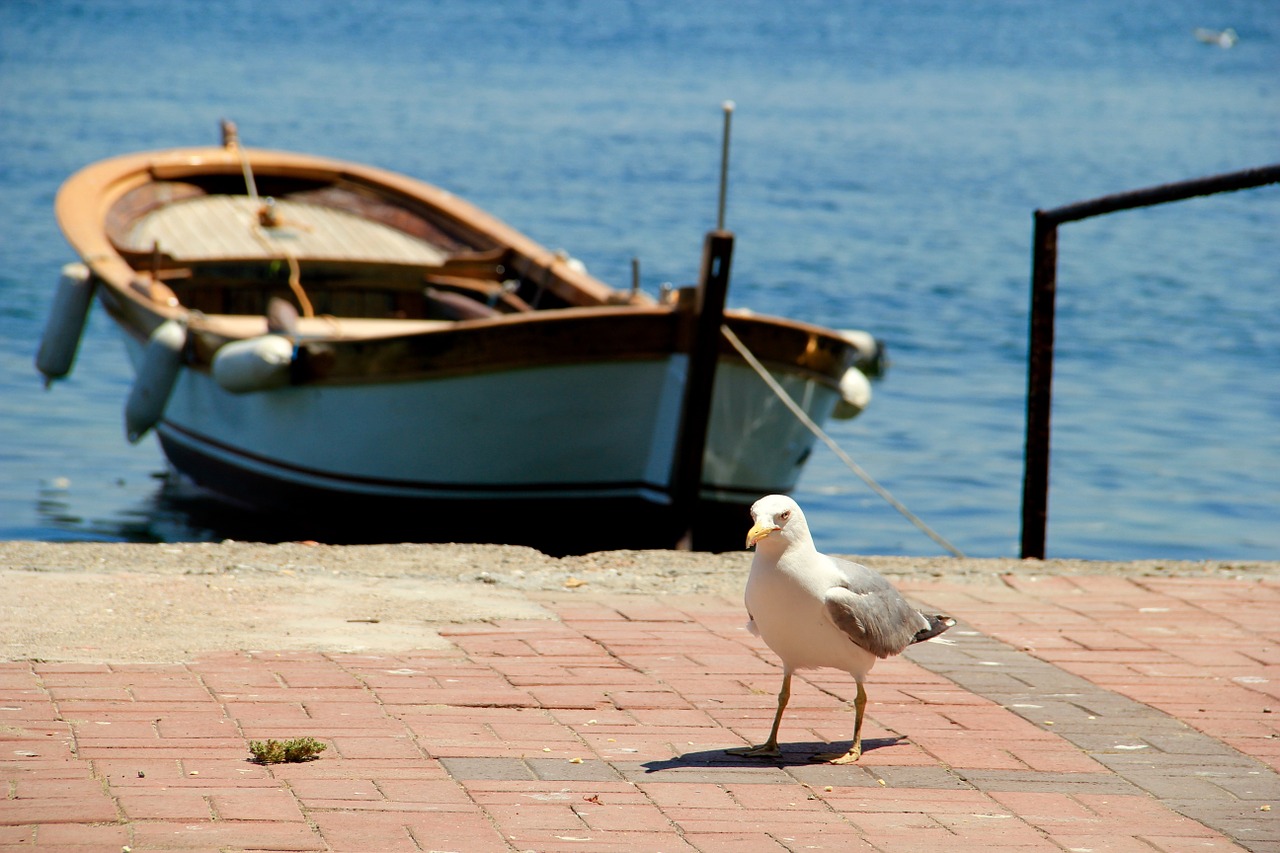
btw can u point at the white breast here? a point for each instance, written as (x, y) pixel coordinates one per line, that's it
(790, 616)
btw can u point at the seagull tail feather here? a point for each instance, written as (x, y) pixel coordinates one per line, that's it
(937, 624)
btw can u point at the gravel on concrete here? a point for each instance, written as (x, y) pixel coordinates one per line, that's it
(107, 602)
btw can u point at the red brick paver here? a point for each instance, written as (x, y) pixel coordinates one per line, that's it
(605, 731)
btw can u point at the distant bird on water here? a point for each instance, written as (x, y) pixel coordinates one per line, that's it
(814, 611)
(1225, 39)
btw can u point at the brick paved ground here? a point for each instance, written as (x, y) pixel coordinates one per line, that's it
(1130, 715)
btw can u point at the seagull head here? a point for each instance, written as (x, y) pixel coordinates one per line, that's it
(778, 523)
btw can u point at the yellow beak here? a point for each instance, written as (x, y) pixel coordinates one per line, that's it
(758, 531)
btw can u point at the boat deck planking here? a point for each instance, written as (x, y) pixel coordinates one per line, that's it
(212, 227)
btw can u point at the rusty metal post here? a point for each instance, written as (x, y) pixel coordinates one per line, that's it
(695, 416)
(1044, 288)
(1035, 480)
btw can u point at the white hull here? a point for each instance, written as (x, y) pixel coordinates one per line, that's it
(597, 430)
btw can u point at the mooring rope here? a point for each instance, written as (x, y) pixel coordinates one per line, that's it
(804, 418)
(256, 229)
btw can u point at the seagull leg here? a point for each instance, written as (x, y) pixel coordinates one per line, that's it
(855, 748)
(769, 749)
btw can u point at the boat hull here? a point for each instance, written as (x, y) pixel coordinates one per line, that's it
(570, 457)
(349, 354)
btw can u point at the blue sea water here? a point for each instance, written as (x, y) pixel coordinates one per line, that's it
(886, 158)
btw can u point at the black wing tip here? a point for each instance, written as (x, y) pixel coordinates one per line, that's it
(937, 624)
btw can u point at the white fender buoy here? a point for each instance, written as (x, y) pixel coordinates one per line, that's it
(256, 364)
(156, 375)
(855, 394)
(871, 351)
(65, 326)
(570, 261)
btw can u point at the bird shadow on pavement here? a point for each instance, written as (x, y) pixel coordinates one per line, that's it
(796, 754)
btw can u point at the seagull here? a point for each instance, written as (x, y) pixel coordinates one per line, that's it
(816, 611)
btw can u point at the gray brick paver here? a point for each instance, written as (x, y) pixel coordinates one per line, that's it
(472, 769)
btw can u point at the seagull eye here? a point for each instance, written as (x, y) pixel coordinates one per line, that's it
(784, 516)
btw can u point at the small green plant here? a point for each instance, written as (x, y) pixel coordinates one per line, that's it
(297, 749)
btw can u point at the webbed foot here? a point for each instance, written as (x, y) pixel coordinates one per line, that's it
(764, 750)
(849, 757)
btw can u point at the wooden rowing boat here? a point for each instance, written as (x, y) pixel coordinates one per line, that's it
(327, 341)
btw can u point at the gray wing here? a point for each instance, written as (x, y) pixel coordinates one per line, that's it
(874, 614)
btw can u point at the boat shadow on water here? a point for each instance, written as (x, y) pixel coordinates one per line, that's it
(179, 510)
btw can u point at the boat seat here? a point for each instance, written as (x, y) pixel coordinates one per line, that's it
(250, 325)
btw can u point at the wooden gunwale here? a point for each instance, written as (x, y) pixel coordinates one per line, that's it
(563, 336)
